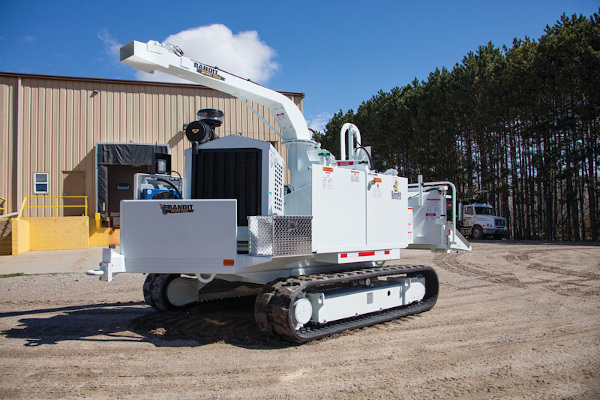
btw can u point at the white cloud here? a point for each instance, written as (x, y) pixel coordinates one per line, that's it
(242, 54)
(28, 39)
(318, 123)
(111, 44)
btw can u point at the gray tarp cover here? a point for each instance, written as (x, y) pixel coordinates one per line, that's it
(121, 154)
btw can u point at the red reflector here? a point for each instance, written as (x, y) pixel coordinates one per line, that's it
(387, 252)
(343, 255)
(228, 263)
(366, 253)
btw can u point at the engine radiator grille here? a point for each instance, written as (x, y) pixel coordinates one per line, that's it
(229, 174)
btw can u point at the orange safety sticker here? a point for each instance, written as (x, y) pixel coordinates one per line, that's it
(327, 169)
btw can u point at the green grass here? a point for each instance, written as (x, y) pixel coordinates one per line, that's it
(11, 275)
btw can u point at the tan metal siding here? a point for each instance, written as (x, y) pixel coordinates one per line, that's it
(7, 112)
(62, 120)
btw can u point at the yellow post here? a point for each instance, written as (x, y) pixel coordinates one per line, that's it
(23, 208)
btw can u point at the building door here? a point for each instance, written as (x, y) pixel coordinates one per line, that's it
(73, 185)
(120, 185)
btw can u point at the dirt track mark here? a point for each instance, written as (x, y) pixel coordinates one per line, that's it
(543, 271)
(564, 271)
(566, 282)
(516, 257)
(539, 263)
(452, 263)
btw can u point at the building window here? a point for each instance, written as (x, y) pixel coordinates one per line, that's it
(40, 183)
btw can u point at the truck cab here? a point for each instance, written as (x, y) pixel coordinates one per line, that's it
(478, 220)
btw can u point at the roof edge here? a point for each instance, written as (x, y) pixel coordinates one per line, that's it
(118, 81)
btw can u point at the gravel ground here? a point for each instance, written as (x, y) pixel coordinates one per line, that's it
(514, 320)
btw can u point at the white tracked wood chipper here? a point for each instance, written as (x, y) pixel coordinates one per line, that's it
(315, 252)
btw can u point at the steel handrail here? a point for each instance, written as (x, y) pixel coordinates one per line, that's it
(56, 206)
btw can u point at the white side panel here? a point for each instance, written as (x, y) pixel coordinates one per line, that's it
(339, 209)
(429, 220)
(387, 211)
(341, 304)
(299, 202)
(170, 230)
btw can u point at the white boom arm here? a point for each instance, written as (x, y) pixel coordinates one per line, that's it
(167, 58)
(153, 56)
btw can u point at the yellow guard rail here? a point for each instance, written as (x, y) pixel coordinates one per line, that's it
(56, 206)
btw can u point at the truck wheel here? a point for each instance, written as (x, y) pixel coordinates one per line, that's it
(477, 232)
(156, 292)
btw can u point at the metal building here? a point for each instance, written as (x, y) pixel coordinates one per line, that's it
(50, 127)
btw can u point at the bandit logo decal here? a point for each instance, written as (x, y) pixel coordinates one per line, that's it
(176, 208)
(208, 71)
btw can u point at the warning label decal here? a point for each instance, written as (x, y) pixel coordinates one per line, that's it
(433, 206)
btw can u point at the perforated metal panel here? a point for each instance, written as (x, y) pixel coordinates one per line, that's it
(279, 169)
(280, 236)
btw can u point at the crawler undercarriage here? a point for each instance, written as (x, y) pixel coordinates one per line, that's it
(308, 307)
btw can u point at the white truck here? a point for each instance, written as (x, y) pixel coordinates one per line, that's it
(478, 220)
(316, 252)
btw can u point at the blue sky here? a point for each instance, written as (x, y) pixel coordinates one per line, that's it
(339, 53)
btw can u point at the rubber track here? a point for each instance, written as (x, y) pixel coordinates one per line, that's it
(154, 288)
(273, 314)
